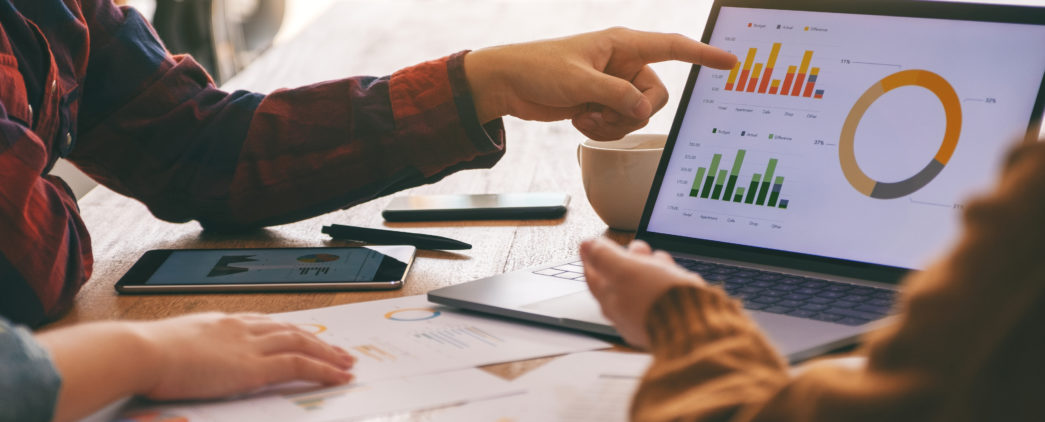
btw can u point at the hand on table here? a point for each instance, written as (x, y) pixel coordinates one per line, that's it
(600, 80)
(627, 282)
(215, 355)
(190, 357)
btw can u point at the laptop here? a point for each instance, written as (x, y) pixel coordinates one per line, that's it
(834, 159)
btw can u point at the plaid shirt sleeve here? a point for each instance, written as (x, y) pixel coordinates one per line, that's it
(154, 127)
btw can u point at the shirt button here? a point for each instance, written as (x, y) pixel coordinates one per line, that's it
(30, 113)
(68, 140)
(54, 85)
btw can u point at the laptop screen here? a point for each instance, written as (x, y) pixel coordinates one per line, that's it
(857, 137)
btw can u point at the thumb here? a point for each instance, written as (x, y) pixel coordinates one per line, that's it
(615, 93)
(604, 257)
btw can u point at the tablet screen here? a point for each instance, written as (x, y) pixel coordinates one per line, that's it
(258, 266)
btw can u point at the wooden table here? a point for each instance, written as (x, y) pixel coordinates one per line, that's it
(378, 37)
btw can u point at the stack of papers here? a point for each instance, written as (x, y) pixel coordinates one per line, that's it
(410, 336)
(411, 355)
(582, 387)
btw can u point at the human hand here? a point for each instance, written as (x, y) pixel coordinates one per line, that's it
(191, 357)
(214, 355)
(600, 80)
(627, 282)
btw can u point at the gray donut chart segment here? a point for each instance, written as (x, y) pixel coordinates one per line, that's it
(884, 190)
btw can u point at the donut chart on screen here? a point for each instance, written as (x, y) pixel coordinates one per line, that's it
(891, 190)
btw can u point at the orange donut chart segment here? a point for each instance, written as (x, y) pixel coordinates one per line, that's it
(313, 328)
(412, 314)
(952, 111)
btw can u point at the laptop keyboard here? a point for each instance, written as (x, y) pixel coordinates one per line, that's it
(803, 297)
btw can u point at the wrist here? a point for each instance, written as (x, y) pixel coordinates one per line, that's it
(100, 362)
(685, 315)
(483, 77)
(146, 360)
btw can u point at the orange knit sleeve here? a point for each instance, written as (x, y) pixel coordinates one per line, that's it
(967, 344)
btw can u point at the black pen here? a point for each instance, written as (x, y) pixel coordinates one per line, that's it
(390, 237)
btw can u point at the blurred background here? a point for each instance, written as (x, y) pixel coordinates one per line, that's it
(223, 35)
(228, 35)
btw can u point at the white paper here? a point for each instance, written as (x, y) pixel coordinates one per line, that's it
(593, 386)
(410, 336)
(340, 403)
(405, 348)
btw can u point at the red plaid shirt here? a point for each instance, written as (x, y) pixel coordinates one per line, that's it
(85, 80)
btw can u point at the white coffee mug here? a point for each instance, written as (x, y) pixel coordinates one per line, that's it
(617, 176)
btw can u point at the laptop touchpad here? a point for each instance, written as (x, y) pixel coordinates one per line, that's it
(580, 306)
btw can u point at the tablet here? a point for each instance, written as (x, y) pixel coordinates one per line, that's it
(276, 269)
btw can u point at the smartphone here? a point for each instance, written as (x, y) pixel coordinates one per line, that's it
(275, 269)
(497, 206)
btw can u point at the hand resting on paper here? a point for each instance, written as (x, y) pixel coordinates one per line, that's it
(190, 357)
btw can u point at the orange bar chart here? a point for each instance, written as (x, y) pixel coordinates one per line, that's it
(746, 71)
(770, 64)
(754, 77)
(812, 82)
(788, 80)
(757, 77)
(806, 58)
(732, 77)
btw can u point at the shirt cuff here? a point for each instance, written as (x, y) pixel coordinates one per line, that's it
(435, 117)
(488, 137)
(29, 382)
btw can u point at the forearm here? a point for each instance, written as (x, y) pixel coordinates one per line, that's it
(488, 95)
(154, 127)
(45, 251)
(237, 160)
(99, 363)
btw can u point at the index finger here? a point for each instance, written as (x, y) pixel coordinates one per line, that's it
(656, 47)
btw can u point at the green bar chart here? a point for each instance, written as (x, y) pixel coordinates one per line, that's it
(719, 184)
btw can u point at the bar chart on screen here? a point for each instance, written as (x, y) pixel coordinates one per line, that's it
(754, 76)
(722, 185)
(835, 123)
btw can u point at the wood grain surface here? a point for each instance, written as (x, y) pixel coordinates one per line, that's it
(378, 37)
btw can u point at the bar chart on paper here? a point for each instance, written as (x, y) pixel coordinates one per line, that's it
(305, 403)
(351, 401)
(411, 354)
(409, 336)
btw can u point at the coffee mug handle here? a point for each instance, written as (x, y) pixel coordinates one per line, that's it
(579, 154)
